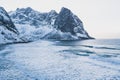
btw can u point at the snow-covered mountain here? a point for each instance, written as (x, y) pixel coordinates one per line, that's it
(8, 31)
(34, 25)
(31, 17)
(66, 21)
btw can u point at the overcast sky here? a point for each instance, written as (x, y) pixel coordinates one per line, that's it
(101, 18)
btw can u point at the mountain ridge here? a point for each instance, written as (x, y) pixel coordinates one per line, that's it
(52, 19)
(8, 31)
(27, 24)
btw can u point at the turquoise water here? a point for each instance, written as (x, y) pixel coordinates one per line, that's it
(61, 60)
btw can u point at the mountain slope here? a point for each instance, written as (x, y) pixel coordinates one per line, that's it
(8, 32)
(68, 22)
(34, 25)
(32, 17)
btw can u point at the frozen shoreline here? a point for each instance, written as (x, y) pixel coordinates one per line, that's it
(43, 60)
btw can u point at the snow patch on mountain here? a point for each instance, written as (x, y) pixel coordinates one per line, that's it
(31, 33)
(32, 17)
(34, 25)
(8, 32)
(7, 36)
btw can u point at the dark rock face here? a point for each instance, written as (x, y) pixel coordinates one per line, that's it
(65, 21)
(51, 17)
(64, 25)
(8, 31)
(6, 21)
(68, 22)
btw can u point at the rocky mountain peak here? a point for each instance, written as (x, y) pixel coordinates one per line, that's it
(66, 21)
(6, 21)
(52, 13)
(2, 10)
(62, 23)
(51, 16)
(8, 31)
(29, 8)
(65, 10)
(24, 9)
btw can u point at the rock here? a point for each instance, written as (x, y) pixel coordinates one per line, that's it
(8, 31)
(6, 21)
(51, 17)
(51, 25)
(66, 21)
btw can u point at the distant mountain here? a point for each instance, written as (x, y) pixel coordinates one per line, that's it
(8, 31)
(34, 25)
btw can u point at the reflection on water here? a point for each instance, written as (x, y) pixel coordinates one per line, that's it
(61, 60)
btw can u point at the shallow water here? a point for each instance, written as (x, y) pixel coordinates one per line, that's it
(61, 60)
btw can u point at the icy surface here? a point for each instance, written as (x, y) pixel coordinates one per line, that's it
(61, 60)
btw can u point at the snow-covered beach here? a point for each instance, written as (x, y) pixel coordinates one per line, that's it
(61, 60)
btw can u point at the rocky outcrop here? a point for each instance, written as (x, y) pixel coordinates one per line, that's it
(6, 21)
(32, 17)
(61, 26)
(8, 31)
(51, 17)
(66, 21)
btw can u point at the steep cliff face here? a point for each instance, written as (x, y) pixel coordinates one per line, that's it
(6, 21)
(8, 32)
(51, 17)
(68, 22)
(34, 25)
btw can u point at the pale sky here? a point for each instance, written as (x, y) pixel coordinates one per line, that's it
(101, 18)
